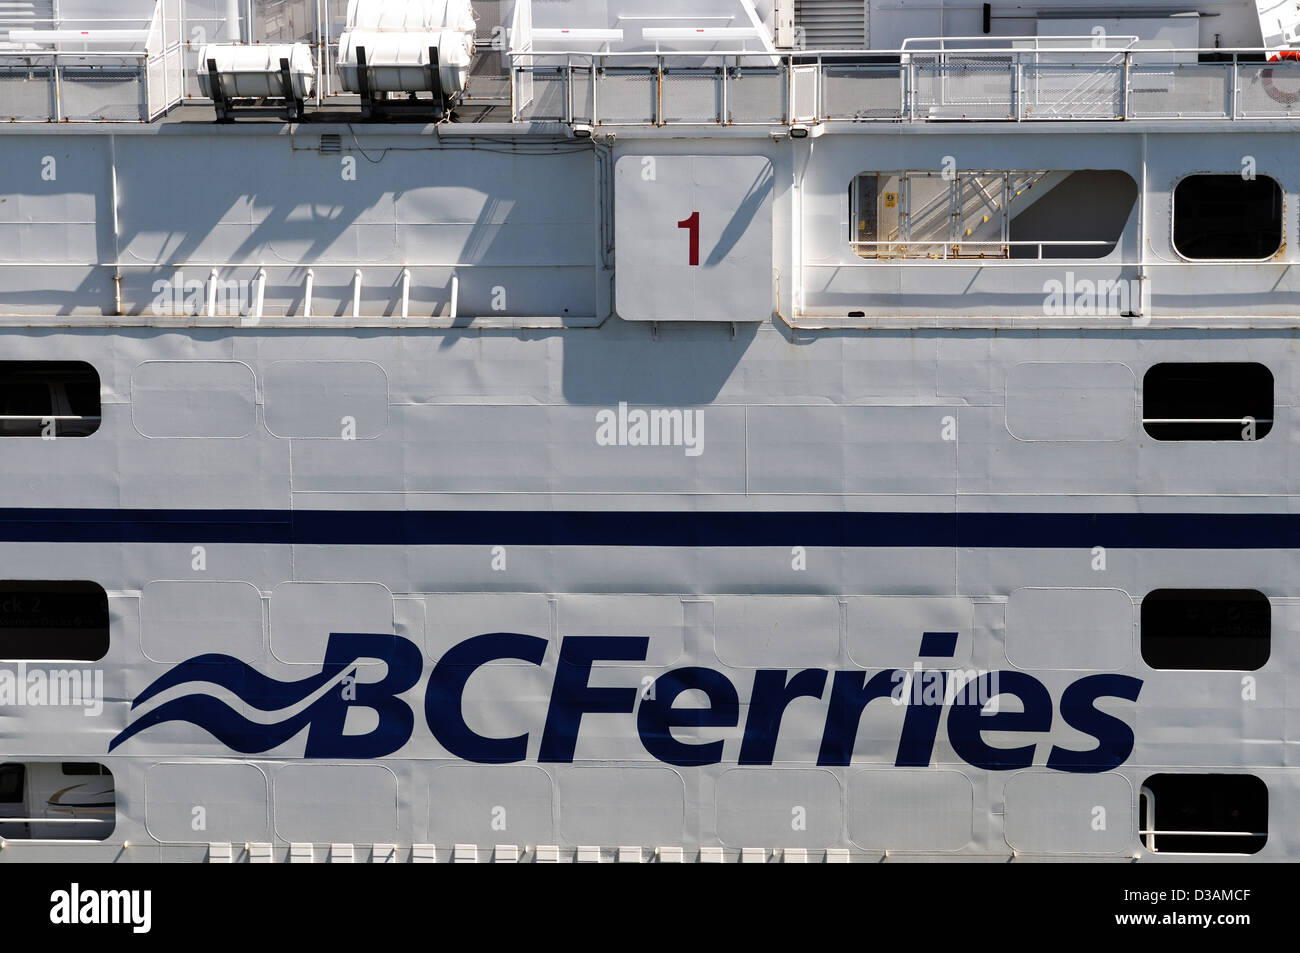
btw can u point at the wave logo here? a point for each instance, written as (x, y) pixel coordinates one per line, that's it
(277, 711)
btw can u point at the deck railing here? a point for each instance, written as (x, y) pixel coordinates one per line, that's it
(131, 71)
(1005, 84)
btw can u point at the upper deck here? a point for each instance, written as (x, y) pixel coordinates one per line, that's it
(923, 179)
(733, 63)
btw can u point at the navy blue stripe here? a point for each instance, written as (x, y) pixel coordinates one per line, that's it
(685, 529)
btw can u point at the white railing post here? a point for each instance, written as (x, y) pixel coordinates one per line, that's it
(306, 295)
(320, 53)
(1149, 835)
(723, 117)
(514, 99)
(1018, 86)
(659, 92)
(819, 107)
(406, 293)
(260, 298)
(356, 294)
(789, 89)
(212, 294)
(568, 88)
(910, 84)
(1127, 80)
(1233, 82)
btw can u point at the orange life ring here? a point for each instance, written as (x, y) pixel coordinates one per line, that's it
(1286, 98)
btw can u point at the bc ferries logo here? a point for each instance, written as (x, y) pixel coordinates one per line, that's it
(320, 704)
(280, 710)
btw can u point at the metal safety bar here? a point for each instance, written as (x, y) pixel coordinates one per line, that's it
(1010, 84)
(1203, 833)
(1207, 420)
(960, 243)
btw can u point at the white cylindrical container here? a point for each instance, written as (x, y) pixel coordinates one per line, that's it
(254, 71)
(398, 62)
(411, 16)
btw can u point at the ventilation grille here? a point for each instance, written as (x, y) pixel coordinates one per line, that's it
(832, 24)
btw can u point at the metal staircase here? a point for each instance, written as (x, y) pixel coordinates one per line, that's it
(969, 218)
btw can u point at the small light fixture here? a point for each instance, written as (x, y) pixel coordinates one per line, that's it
(798, 132)
(581, 131)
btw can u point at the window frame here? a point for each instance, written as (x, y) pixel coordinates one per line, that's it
(1148, 811)
(852, 216)
(1173, 219)
(94, 422)
(1242, 596)
(1148, 422)
(14, 587)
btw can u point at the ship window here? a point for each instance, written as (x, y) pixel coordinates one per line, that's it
(53, 621)
(1034, 214)
(1204, 814)
(1208, 401)
(48, 399)
(37, 804)
(1227, 217)
(1206, 629)
(12, 783)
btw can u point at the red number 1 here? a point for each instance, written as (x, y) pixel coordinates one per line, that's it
(693, 223)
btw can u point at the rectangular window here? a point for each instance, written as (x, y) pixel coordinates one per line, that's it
(48, 399)
(959, 214)
(53, 621)
(37, 802)
(1204, 814)
(12, 783)
(1227, 217)
(1206, 629)
(1208, 401)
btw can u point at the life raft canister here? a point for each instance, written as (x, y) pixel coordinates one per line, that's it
(1285, 97)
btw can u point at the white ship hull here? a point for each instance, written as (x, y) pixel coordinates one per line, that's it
(574, 489)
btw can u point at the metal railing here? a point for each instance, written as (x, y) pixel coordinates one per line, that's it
(135, 74)
(1150, 832)
(48, 425)
(856, 86)
(955, 245)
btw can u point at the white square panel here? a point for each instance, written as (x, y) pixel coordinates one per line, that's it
(694, 238)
